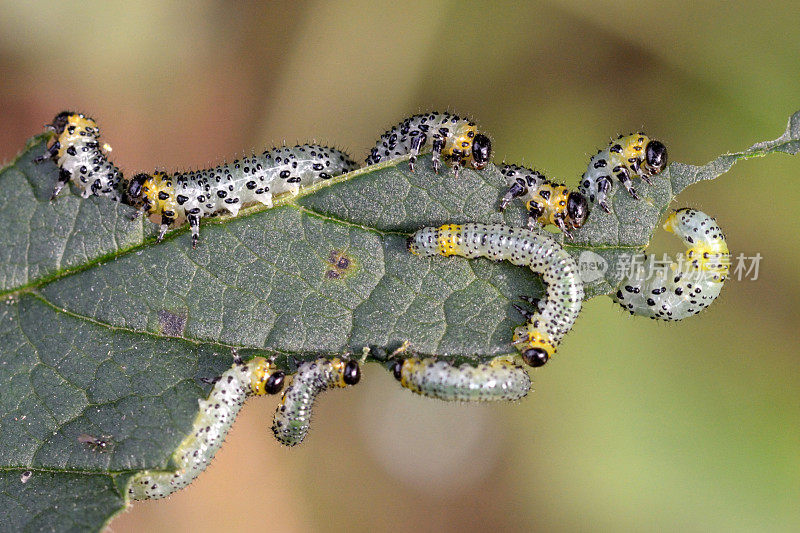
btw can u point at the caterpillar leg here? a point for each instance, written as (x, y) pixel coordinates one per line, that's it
(624, 177)
(49, 153)
(293, 416)
(162, 232)
(263, 196)
(500, 379)
(416, 145)
(211, 425)
(63, 178)
(603, 189)
(681, 288)
(636, 166)
(436, 154)
(536, 302)
(194, 224)
(515, 191)
(560, 224)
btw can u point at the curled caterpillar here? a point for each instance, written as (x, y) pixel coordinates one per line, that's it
(171, 200)
(547, 203)
(449, 136)
(545, 327)
(686, 287)
(627, 157)
(500, 379)
(293, 416)
(80, 157)
(211, 425)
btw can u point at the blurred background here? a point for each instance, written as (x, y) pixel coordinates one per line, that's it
(637, 425)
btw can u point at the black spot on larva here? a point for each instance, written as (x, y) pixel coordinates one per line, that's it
(171, 324)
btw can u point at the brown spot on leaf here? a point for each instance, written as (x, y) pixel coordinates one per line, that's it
(171, 324)
(340, 265)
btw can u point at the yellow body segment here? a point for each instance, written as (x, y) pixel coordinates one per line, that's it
(459, 145)
(712, 257)
(160, 196)
(409, 369)
(528, 336)
(338, 369)
(260, 372)
(553, 207)
(74, 131)
(447, 244)
(633, 147)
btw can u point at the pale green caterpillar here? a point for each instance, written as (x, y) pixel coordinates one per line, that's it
(211, 425)
(538, 338)
(500, 379)
(683, 288)
(293, 416)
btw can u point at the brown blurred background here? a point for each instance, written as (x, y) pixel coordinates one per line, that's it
(638, 425)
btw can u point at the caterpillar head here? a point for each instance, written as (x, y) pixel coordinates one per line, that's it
(469, 147)
(134, 191)
(535, 357)
(534, 345)
(265, 377)
(481, 151)
(154, 194)
(60, 122)
(347, 371)
(73, 124)
(577, 209)
(655, 157)
(351, 373)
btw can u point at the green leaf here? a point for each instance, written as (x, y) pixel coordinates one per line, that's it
(107, 333)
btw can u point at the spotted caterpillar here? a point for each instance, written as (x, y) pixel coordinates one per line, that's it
(211, 425)
(293, 416)
(500, 379)
(547, 203)
(449, 136)
(81, 158)
(545, 327)
(684, 288)
(625, 158)
(171, 200)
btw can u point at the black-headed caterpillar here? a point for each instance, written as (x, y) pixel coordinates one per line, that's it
(211, 425)
(81, 158)
(293, 416)
(546, 202)
(450, 137)
(686, 287)
(627, 157)
(500, 379)
(545, 327)
(172, 200)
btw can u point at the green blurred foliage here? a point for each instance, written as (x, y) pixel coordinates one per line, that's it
(637, 424)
